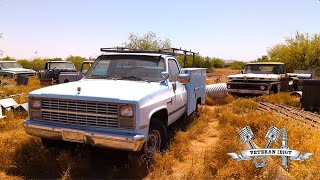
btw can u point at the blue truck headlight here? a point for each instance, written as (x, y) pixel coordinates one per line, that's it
(35, 104)
(126, 111)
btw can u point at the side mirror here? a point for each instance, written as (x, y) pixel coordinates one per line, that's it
(241, 71)
(165, 75)
(184, 78)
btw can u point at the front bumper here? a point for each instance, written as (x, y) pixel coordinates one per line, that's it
(105, 140)
(245, 91)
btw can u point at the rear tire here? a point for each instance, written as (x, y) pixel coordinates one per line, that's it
(157, 138)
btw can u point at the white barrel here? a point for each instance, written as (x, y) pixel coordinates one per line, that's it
(216, 91)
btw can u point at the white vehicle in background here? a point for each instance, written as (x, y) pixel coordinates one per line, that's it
(12, 69)
(266, 78)
(127, 101)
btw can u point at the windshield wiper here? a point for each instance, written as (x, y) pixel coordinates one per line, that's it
(135, 78)
(99, 76)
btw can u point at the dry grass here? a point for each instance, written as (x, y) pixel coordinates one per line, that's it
(280, 98)
(21, 91)
(232, 117)
(219, 75)
(24, 156)
(219, 101)
(165, 164)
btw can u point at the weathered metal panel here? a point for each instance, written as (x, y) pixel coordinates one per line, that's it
(9, 102)
(310, 100)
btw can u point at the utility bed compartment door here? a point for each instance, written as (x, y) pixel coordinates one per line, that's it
(196, 87)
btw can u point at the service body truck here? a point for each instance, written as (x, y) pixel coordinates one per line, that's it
(126, 101)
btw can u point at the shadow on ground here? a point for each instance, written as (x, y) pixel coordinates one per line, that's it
(71, 160)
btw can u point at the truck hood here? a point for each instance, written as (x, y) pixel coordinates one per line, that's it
(260, 77)
(103, 90)
(19, 70)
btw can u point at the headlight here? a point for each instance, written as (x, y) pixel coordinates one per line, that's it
(228, 86)
(35, 104)
(262, 88)
(126, 111)
(35, 114)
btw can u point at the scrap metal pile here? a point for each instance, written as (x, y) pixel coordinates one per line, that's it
(293, 113)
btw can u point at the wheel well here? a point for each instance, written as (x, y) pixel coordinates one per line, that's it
(199, 100)
(162, 115)
(66, 81)
(274, 88)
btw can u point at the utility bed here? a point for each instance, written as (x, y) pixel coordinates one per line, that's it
(196, 87)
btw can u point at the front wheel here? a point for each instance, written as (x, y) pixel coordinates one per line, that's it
(49, 143)
(157, 138)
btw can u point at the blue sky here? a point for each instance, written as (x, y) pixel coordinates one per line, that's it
(240, 30)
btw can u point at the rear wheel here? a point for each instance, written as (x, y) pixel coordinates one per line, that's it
(157, 138)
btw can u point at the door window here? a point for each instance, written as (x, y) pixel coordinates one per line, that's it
(173, 70)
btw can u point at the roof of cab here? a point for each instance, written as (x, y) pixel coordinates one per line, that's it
(59, 61)
(138, 54)
(7, 61)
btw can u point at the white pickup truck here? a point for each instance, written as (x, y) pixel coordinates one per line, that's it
(126, 101)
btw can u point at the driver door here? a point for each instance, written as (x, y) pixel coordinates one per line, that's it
(177, 105)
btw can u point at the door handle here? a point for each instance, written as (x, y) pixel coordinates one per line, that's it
(174, 86)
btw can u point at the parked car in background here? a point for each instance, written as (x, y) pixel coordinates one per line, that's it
(65, 77)
(260, 78)
(12, 69)
(52, 70)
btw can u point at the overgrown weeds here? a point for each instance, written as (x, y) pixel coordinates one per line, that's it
(232, 117)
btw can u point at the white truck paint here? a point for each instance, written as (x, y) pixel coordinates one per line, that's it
(118, 112)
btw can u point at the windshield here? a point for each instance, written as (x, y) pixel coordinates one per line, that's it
(61, 65)
(263, 69)
(129, 67)
(7, 65)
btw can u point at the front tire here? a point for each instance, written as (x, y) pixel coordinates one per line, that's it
(157, 138)
(49, 143)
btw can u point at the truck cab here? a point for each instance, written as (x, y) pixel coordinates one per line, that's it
(53, 69)
(126, 101)
(66, 77)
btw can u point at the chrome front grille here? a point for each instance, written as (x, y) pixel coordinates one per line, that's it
(79, 119)
(80, 106)
(74, 112)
